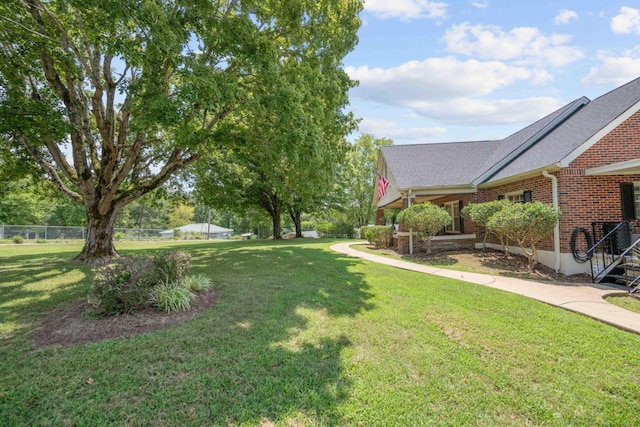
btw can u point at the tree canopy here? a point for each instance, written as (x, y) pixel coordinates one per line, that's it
(359, 177)
(108, 100)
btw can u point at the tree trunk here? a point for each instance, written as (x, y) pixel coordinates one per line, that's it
(296, 218)
(272, 204)
(99, 241)
(277, 226)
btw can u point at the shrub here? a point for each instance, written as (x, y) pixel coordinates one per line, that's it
(325, 229)
(128, 284)
(426, 220)
(525, 224)
(41, 240)
(380, 236)
(17, 239)
(197, 282)
(171, 267)
(171, 297)
(339, 229)
(362, 231)
(480, 213)
(118, 236)
(122, 285)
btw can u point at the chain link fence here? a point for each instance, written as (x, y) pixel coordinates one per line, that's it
(50, 232)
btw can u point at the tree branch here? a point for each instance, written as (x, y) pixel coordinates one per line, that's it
(49, 169)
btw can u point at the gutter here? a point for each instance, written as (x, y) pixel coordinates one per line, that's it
(556, 229)
(411, 229)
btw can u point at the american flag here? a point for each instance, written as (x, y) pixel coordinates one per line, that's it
(382, 186)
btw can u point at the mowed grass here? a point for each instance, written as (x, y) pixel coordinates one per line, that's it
(304, 336)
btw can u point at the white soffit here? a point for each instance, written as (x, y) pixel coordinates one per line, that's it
(629, 167)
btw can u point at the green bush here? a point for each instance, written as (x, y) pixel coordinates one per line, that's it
(122, 285)
(128, 284)
(426, 220)
(17, 239)
(380, 236)
(526, 224)
(480, 213)
(196, 283)
(118, 236)
(171, 297)
(171, 267)
(362, 231)
(41, 240)
(339, 229)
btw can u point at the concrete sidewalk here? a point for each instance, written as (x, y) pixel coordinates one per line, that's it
(584, 299)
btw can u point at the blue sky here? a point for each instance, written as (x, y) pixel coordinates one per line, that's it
(434, 71)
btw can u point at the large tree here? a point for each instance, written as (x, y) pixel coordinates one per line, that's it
(110, 99)
(292, 136)
(359, 177)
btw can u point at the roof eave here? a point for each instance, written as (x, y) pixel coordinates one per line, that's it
(554, 167)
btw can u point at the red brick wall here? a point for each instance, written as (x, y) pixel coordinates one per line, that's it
(585, 199)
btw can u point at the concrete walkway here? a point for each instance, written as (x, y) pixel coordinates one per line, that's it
(584, 299)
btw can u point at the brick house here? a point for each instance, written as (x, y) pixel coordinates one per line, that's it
(584, 158)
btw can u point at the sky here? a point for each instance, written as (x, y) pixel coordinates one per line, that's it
(467, 70)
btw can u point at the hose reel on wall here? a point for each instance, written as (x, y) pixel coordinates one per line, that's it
(580, 257)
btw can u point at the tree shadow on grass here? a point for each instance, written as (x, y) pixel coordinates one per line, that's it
(31, 285)
(276, 316)
(272, 349)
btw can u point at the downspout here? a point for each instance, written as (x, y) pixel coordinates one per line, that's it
(556, 230)
(411, 229)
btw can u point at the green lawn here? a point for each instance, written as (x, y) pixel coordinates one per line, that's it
(305, 336)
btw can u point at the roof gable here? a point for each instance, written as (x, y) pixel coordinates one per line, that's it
(578, 132)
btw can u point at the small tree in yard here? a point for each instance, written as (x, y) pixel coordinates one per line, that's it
(526, 224)
(426, 220)
(480, 213)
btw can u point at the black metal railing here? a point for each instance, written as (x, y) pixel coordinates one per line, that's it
(614, 256)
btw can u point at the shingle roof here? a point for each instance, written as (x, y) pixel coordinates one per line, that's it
(432, 165)
(575, 131)
(541, 144)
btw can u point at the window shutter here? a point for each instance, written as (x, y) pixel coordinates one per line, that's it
(461, 206)
(527, 196)
(626, 195)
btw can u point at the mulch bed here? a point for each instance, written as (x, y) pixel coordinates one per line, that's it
(72, 325)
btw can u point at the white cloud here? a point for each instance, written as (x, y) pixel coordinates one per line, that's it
(565, 16)
(627, 21)
(525, 45)
(434, 79)
(451, 90)
(480, 4)
(394, 130)
(487, 111)
(614, 70)
(406, 9)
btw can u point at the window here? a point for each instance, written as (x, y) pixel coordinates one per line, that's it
(516, 198)
(519, 197)
(453, 208)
